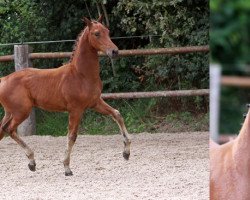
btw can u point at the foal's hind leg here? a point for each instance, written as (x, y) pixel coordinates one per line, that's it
(74, 120)
(5, 121)
(104, 108)
(1, 133)
(10, 128)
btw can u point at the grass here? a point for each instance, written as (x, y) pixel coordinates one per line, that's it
(139, 116)
(134, 114)
(142, 115)
(51, 123)
(186, 121)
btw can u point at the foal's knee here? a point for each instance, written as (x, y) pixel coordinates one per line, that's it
(117, 115)
(30, 154)
(72, 137)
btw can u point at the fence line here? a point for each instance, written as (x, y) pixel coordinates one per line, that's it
(122, 53)
(237, 81)
(174, 93)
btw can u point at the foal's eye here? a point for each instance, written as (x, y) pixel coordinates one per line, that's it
(97, 34)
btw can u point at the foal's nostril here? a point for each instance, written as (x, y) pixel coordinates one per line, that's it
(114, 53)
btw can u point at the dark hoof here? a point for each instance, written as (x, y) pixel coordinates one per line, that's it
(32, 167)
(69, 173)
(126, 155)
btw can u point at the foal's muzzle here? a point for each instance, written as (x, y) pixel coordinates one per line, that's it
(112, 53)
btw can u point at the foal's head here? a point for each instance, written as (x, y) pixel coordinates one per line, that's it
(99, 37)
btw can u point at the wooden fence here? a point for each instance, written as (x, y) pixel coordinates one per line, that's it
(22, 58)
(122, 53)
(216, 82)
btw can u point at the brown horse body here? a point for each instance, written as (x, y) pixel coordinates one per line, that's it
(74, 87)
(230, 167)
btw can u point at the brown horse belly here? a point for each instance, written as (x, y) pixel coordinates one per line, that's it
(50, 105)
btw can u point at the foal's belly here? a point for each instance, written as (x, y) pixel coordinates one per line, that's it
(80, 102)
(51, 106)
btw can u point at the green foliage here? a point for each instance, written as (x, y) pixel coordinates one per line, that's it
(187, 121)
(179, 23)
(139, 116)
(125, 79)
(18, 16)
(230, 32)
(135, 114)
(51, 123)
(233, 105)
(229, 42)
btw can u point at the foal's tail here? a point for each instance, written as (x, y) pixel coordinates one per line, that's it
(0, 101)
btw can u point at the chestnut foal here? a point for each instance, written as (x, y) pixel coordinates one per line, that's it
(73, 87)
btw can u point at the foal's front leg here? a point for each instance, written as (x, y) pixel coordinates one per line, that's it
(74, 120)
(103, 108)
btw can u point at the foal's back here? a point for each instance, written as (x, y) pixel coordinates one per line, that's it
(35, 87)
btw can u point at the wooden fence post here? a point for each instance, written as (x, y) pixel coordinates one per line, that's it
(21, 59)
(215, 78)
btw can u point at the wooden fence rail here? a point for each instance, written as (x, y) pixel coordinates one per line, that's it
(122, 53)
(173, 93)
(237, 81)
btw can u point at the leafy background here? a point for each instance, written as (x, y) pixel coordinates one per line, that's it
(169, 23)
(229, 42)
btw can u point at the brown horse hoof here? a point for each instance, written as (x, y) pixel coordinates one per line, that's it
(68, 173)
(32, 167)
(126, 155)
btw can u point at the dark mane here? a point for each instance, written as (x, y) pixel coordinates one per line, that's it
(76, 44)
(77, 41)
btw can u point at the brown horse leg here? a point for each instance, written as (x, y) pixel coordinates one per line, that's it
(1, 133)
(29, 153)
(5, 121)
(103, 108)
(10, 127)
(74, 120)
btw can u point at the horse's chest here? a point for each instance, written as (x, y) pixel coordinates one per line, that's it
(85, 97)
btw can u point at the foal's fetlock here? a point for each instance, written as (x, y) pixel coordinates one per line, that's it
(32, 166)
(68, 172)
(126, 155)
(126, 152)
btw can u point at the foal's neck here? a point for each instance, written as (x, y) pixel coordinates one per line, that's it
(85, 59)
(242, 143)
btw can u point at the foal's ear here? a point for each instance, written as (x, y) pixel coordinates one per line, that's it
(87, 21)
(100, 19)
